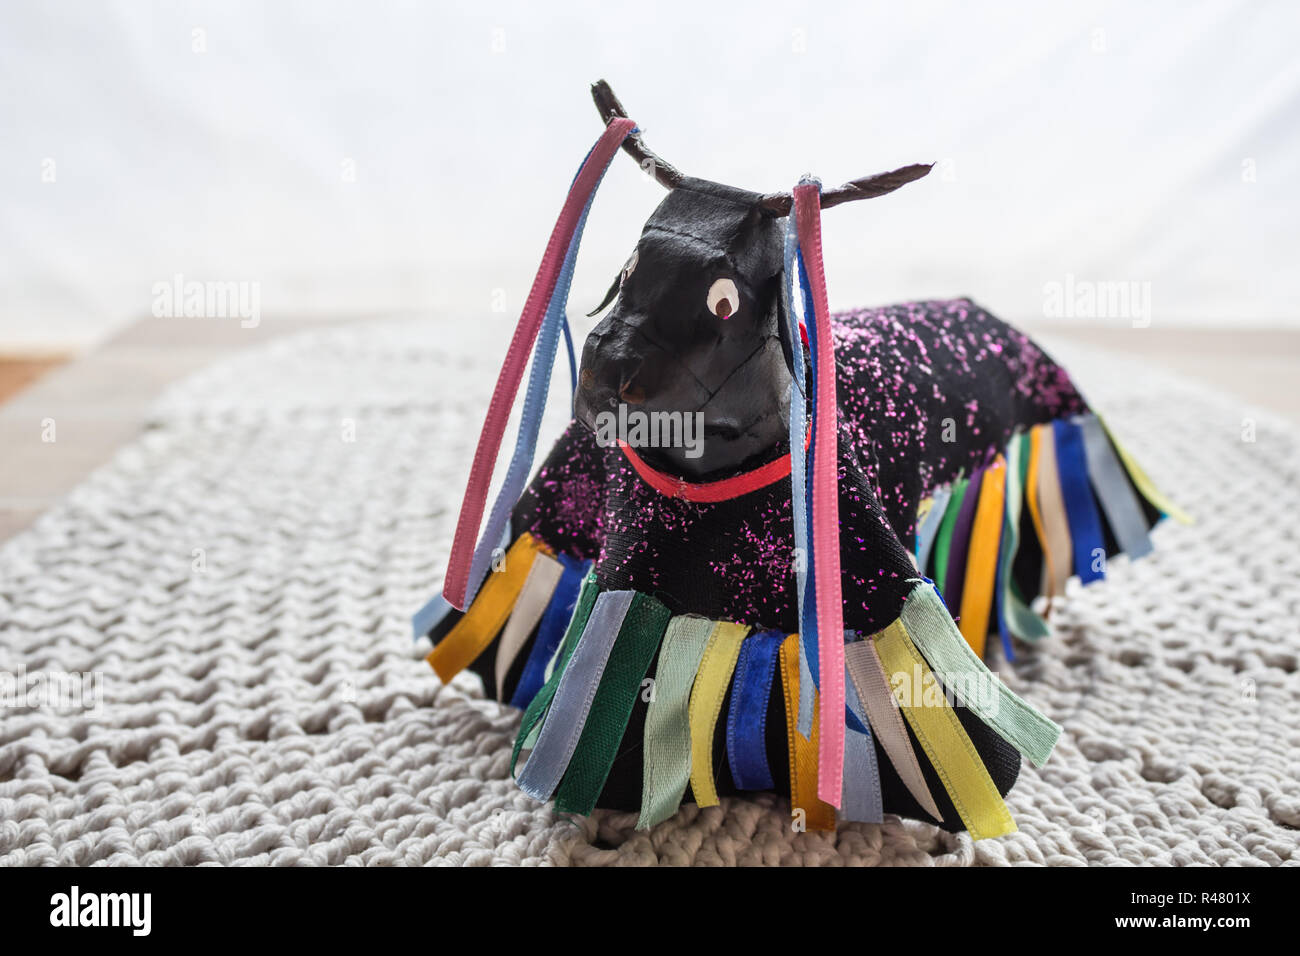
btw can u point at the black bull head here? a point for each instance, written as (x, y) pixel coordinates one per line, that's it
(699, 333)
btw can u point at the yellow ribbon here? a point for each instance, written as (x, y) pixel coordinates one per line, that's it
(945, 742)
(487, 615)
(923, 509)
(982, 557)
(711, 682)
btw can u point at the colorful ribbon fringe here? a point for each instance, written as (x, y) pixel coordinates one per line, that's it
(1067, 482)
(574, 725)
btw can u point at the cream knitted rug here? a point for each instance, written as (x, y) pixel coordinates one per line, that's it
(240, 580)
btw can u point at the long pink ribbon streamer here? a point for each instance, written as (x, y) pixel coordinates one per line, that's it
(825, 510)
(456, 582)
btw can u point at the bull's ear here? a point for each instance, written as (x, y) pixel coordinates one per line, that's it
(609, 296)
(868, 187)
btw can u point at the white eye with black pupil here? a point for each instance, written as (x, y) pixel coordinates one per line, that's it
(724, 300)
(629, 267)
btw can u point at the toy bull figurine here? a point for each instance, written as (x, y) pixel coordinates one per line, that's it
(798, 598)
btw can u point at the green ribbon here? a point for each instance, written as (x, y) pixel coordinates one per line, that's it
(1020, 617)
(667, 754)
(607, 719)
(934, 633)
(943, 543)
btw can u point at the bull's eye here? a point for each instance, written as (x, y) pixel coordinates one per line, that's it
(629, 267)
(724, 300)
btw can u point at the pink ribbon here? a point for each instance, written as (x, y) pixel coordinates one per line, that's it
(456, 582)
(825, 510)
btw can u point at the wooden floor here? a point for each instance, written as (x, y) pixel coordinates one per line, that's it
(98, 402)
(17, 373)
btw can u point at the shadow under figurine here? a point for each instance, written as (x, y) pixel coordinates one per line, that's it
(659, 599)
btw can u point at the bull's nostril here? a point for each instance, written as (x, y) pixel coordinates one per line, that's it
(586, 379)
(632, 394)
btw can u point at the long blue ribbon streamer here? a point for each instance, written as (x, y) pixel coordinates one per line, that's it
(798, 478)
(808, 610)
(539, 380)
(807, 623)
(803, 408)
(573, 366)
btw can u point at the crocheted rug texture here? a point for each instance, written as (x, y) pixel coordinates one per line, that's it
(241, 576)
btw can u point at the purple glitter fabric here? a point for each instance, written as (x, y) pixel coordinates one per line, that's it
(926, 391)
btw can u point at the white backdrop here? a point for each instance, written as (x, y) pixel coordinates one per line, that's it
(355, 157)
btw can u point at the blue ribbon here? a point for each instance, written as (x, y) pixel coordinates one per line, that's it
(929, 529)
(747, 720)
(799, 507)
(567, 715)
(861, 801)
(808, 608)
(551, 630)
(1080, 508)
(573, 366)
(1119, 502)
(430, 616)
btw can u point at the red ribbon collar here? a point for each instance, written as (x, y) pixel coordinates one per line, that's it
(708, 492)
